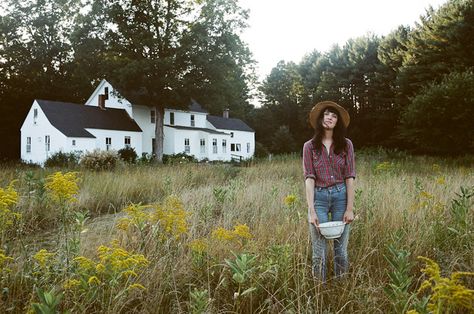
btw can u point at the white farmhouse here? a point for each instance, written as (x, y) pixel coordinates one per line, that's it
(110, 120)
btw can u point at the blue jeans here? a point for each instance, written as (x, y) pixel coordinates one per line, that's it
(330, 205)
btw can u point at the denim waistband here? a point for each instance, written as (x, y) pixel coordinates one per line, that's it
(337, 187)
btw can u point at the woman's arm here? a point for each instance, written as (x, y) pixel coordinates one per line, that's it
(309, 187)
(349, 213)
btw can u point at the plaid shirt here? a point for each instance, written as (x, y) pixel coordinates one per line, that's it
(328, 169)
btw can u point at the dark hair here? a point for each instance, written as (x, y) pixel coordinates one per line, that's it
(338, 135)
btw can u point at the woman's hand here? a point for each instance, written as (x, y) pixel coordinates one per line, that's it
(348, 216)
(314, 219)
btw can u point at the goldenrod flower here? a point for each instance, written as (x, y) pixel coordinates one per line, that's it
(446, 293)
(71, 284)
(223, 234)
(100, 268)
(93, 280)
(62, 187)
(171, 217)
(242, 231)
(441, 180)
(85, 264)
(8, 198)
(198, 246)
(43, 258)
(123, 224)
(290, 200)
(129, 273)
(4, 260)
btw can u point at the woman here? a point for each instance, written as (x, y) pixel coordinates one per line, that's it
(329, 171)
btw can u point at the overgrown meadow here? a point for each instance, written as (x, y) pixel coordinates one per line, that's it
(222, 238)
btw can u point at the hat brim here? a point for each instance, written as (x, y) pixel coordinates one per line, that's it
(318, 108)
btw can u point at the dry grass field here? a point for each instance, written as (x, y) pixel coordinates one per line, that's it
(219, 238)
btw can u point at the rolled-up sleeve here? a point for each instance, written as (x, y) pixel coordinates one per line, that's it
(308, 168)
(350, 171)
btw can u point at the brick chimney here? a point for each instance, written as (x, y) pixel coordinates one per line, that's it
(102, 102)
(225, 114)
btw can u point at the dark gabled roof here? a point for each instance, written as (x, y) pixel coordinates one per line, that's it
(229, 124)
(180, 127)
(72, 119)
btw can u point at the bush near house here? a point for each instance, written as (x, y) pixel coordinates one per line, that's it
(60, 159)
(98, 160)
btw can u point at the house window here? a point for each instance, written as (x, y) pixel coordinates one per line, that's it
(128, 141)
(248, 148)
(153, 116)
(28, 144)
(73, 142)
(235, 147)
(224, 146)
(187, 149)
(231, 134)
(35, 115)
(192, 120)
(153, 142)
(108, 143)
(203, 146)
(106, 92)
(214, 145)
(47, 143)
(172, 118)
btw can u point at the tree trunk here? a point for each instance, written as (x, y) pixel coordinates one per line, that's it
(159, 122)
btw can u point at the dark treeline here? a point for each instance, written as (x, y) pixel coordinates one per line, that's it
(412, 89)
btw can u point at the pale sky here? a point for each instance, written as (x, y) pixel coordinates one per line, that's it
(289, 29)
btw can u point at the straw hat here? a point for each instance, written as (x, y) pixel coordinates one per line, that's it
(320, 106)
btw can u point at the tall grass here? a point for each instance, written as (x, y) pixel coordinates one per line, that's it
(402, 202)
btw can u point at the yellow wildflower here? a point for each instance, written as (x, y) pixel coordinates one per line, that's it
(8, 198)
(71, 284)
(62, 187)
(426, 195)
(223, 234)
(171, 217)
(120, 260)
(84, 263)
(136, 286)
(198, 246)
(446, 293)
(129, 273)
(4, 260)
(100, 268)
(93, 280)
(290, 200)
(43, 258)
(123, 224)
(441, 180)
(242, 231)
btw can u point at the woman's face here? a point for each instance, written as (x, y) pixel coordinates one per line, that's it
(329, 120)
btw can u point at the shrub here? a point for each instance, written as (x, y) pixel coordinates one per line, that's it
(128, 154)
(100, 160)
(62, 160)
(178, 158)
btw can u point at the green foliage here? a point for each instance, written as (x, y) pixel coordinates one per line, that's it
(398, 290)
(439, 118)
(99, 160)
(128, 154)
(199, 301)
(62, 160)
(180, 158)
(49, 302)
